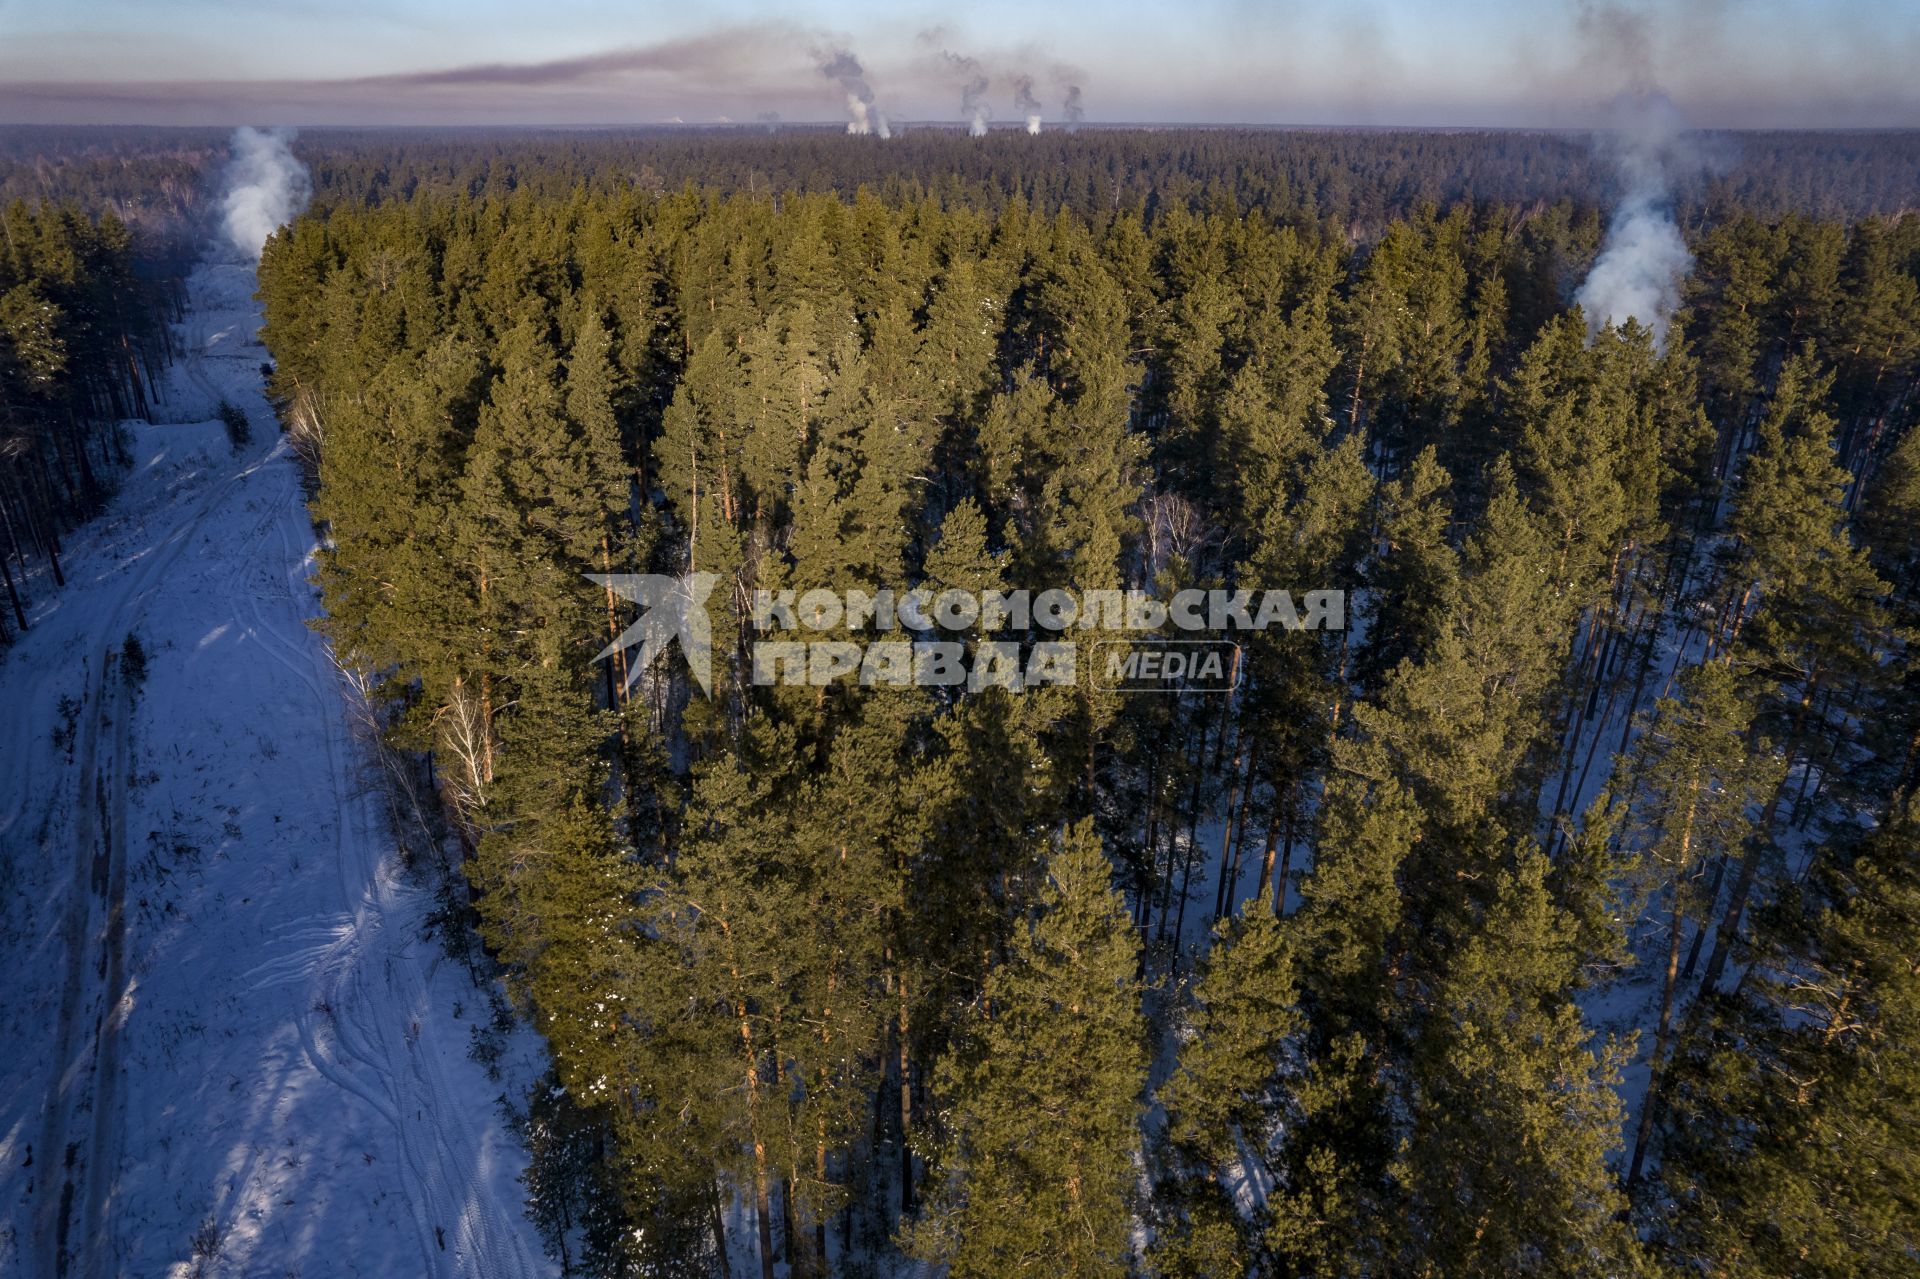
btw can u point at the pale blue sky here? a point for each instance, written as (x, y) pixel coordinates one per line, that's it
(1725, 62)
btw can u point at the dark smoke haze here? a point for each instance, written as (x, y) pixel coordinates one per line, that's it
(1800, 64)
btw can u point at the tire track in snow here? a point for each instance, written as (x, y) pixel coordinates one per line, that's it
(367, 972)
(54, 1213)
(356, 959)
(103, 1157)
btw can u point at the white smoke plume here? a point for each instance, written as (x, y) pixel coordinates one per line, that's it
(970, 75)
(266, 188)
(1025, 103)
(973, 96)
(1638, 273)
(1643, 258)
(862, 116)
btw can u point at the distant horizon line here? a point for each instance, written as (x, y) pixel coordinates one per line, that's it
(838, 127)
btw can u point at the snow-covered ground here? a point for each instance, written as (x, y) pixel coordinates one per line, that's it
(226, 1046)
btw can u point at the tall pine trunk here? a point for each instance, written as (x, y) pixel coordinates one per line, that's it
(1656, 1065)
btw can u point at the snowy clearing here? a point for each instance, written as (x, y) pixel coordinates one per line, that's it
(231, 1047)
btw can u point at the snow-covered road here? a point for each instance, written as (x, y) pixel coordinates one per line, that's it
(226, 1046)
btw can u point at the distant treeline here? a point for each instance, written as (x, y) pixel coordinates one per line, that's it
(1353, 181)
(157, 182)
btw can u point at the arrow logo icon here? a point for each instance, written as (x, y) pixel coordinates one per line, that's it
(671, 608)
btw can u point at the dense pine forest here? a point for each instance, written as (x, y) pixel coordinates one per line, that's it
(1556, 916)
(81, 339)
(1354, 180)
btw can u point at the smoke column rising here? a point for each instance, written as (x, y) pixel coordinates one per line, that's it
(973, 104)
(1071, 108)
(1643, 258)
(973, 84)
(862, 117)
(1026, 103)
(1638, 272)
(266, 188)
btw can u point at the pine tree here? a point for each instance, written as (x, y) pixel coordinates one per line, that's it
(1413, 580)
(1340, 1129)
(386, 484)
(1458, 723)
(1698, 777)
(578, 891)
(1817, 615)
(857, 835)
(1298, 680)
(1224, 1097)
(530, 524)
(1043, 1092)
(1786, 1149)
(1890, 524)
(1732, 288)
(724, 982)
(1505, 1165)
(569, 1198)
